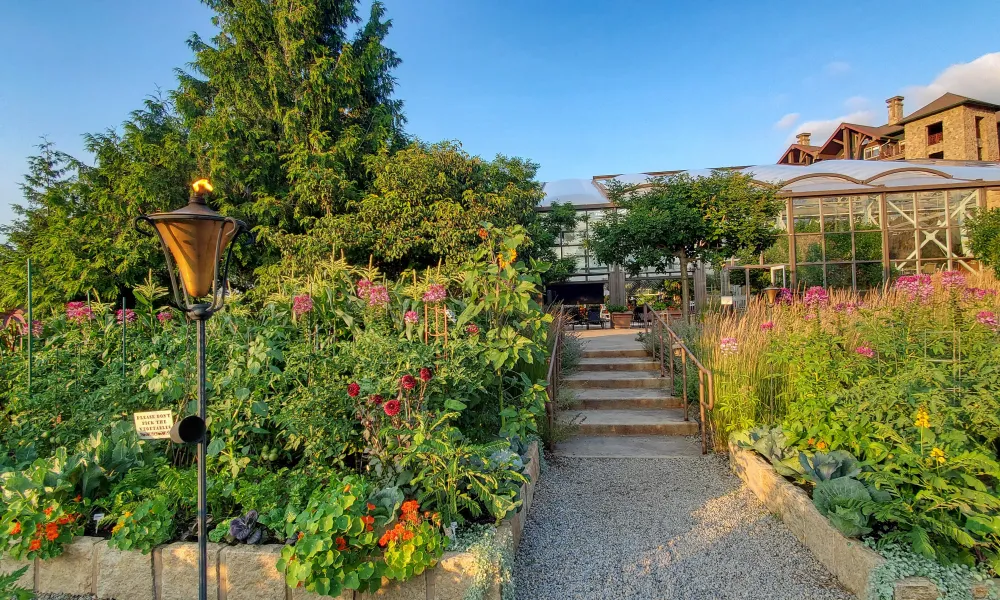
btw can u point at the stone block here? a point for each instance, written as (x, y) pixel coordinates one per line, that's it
(72, 572)
(123, 574)
(249, 573)
(454, 576)
(26, 581)
(915, 588)
(300, 594)
(179, 570)
(983, 589)
(412, 589)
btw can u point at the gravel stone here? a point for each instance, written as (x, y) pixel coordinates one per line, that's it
(677, 528)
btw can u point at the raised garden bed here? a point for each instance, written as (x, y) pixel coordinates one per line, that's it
(89, 566)
(848, 559)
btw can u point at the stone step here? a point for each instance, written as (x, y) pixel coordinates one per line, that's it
(598, 399)
(616, 379)
(618, 364)
(668, 421)
(633, 353)
(632, 446)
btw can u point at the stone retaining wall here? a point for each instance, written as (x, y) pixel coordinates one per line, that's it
(850, 561)
(89, 566)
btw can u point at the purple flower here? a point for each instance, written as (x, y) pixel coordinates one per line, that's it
(128, 315)
(865, 351)
(915, 286)
(729, 345)
(978, 293)
(164, 315)
(784, 296)
(988, 318)
(36, 328)
(411, 317)
(815, 296)
(952, 279)
(767, 326)
(301, 305)
(78, 312)
(364, 286)
(378, 295)
(435, 293)
(847, 307)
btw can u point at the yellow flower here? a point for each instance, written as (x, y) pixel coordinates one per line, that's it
(923, 419)
(513, 255)
(117, 527)
(938, 455)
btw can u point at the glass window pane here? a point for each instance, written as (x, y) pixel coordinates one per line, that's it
(805, 212)
(869, 275)
(930, 209)
(838, 246)
(808, 248)
(908, 267)
(933, 266)
(866, 212)
(899, 210)
(571, 237)
(962, 204)
(778, 252)
(868, 245)
(810, 275)
(902, 245)
(960, 242)
(839, 276)
(781, 221)
(837, 214)
(933, 243)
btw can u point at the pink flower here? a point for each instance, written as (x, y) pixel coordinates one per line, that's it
(301, 305)
(78, 312)
(915, 286)
(425, 374)
(978, 293)
(36, 328)
(363, 288)
(729, 345)
(988, 318)
(164, 315)
(408, 382)
(952, 279)
(472, 329)
(129, 315)
(411, 317)
(815, 296)
(767, 326)
(435, 293)
(784, 296)
(847, 307)
(353, 389)
(391, 408)
(865, 351)
(378, 295)
(376, 399)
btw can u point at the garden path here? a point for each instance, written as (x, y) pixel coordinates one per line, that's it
(647, 516)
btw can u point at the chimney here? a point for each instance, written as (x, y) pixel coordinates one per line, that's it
(802, 139)
(895, 109)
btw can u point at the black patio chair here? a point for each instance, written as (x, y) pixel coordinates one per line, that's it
(594, 318)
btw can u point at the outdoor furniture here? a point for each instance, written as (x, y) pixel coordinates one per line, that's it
(594, 318)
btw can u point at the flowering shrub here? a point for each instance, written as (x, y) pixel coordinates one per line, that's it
(301, 305)
(78, 312)
(128, 315)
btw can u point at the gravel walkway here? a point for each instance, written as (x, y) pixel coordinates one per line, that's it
(677, 528)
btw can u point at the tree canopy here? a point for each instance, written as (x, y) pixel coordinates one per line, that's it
(290, 111)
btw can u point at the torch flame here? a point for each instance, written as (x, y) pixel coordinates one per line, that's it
(202, 184)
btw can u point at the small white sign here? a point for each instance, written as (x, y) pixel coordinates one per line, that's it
(153, 424)
(727, 300)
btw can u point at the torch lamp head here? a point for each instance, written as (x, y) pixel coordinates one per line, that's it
(195, 239)
(772, 295)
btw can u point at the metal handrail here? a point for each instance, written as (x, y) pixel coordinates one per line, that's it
(552, 378)
(706, 379)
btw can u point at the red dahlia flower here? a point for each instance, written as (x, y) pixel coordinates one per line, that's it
(408, 382)
(353, 389)
(376, 399)
(425, 374)
(391, 408)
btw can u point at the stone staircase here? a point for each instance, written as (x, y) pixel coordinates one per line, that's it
(620, 392)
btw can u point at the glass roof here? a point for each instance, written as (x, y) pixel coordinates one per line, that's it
(825, 176)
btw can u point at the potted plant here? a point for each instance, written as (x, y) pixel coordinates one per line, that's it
(621, 318)
(661, 308)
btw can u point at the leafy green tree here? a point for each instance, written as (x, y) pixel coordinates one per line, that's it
(680, 218)
(544, 229)
(984, 238)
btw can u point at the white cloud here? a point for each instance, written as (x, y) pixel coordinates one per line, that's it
(821, 129)
(837, 67)
(979, 79)
(856, 103)
(786, 121)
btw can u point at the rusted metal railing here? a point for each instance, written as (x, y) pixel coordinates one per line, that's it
(658, 327)
(552, 378)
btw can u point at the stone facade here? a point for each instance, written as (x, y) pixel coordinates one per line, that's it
(959, 140)
(64, 573)
(123, 575)
(179, 571)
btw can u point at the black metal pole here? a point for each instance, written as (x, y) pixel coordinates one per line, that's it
(202, 480)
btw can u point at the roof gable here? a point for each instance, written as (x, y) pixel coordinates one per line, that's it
(945, 102)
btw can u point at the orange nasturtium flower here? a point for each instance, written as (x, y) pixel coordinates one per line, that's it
(17, 528)
(821, 445)
(36, 544)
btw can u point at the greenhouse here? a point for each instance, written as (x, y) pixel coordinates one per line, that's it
(847, 223)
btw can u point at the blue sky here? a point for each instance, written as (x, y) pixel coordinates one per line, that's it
(582, 87)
